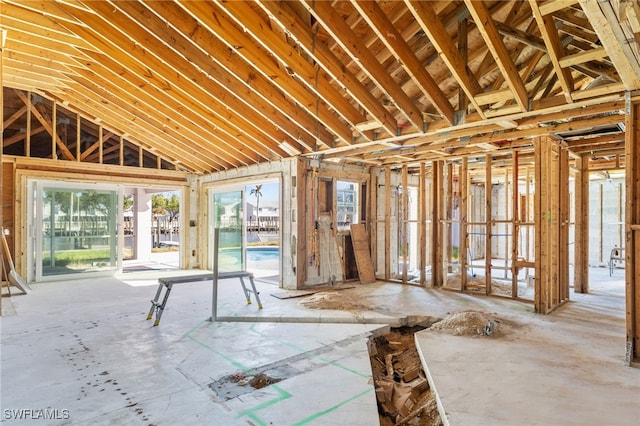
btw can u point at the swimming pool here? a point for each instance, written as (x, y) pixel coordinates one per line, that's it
(260, 253)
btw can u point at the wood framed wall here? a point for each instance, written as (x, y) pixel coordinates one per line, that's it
(632, 230)
(552, 227)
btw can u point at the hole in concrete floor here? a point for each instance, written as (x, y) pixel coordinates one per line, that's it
(239, 384)
(402, 390)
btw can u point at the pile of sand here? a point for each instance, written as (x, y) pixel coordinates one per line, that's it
(333, 300)
(471, 323)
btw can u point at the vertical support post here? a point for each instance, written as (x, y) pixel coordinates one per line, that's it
(27, 142)
(387, 222)
(515, 227)
(463, 257)
(404, 221)
(78, 136)
(581, 255)
(121, 151)
(564, 210)
(552, 284)
(54, 130)
(422, 223)
(488, 228)
(372, 214)
(436, 224)
(214, 296)
(632, 231)
(100, 144)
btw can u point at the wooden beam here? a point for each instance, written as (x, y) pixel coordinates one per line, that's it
(432, 26)
(582, 57)
(391, 37)
(302, 32)
(581, 233)
(632, 228)
(554, 47)
(489, 32)
(555, 5)
(608, 27)
(348, 40)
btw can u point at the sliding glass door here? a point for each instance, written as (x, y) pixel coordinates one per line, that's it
(75, 230)
(229, 219)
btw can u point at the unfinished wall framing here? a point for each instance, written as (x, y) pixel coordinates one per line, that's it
(632, 232)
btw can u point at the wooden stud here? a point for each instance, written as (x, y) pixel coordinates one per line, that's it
(581, 233)
(632, 241)
(437, 207)
(515, 227)
(27, 145)
(121, 151)
(101, 144)
(387, 222)
(422, 224)
(372, 213)
(489, 223)
(404, 222)
(463, 188)
(54, 130)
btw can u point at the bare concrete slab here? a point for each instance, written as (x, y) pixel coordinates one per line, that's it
(567, 368)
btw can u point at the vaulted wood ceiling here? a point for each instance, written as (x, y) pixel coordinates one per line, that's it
(216, 85)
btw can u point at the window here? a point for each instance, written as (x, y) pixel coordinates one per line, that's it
(347, 204)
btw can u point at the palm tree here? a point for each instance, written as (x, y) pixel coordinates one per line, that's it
(257, 191)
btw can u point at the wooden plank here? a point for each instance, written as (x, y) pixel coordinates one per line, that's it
(555, 49)
(555, 5)
(404, 223)
(304, 34)
(608, 28)
(515, 231)
(360, 242)
(422, 224)
(436, 225)
(348, 40)
(632, 241)
(387, 222)
(463, 243)
(488, 212)
(487, 28)
(431, 24)
(372, 13)
(582, 57)
(581, 233)
(372, 213)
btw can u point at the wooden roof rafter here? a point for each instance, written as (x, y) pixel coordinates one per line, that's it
(335, 25)
(487, 27)
(437, 33)
(149, 49)
(391, 37)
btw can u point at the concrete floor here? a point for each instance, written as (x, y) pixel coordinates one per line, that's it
(82, 351)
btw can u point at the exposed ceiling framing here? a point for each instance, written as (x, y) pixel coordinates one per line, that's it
(208, 86)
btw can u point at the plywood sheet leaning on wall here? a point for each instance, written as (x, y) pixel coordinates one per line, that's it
(330, 263)
(363, 255)
(12, 275)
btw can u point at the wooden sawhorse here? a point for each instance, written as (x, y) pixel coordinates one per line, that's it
(168, 283)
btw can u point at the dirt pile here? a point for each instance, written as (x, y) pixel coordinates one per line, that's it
(472, 323)
(333, 300)
(402, 391)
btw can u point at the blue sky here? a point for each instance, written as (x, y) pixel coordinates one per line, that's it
(270, 194)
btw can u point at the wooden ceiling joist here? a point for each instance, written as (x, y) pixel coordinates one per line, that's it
(210, 86)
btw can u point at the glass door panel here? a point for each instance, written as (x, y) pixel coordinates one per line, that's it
(229, 218)
(79, 232)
